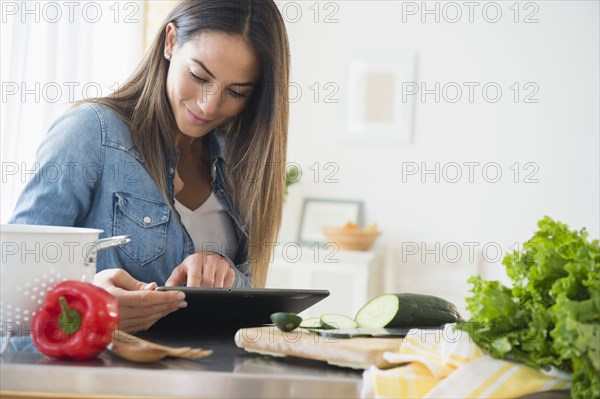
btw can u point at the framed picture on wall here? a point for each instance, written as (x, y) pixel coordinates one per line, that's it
(319, 212)
(381, 92)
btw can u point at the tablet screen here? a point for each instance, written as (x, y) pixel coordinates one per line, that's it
(237, 307)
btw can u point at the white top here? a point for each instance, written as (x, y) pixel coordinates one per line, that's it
(210, 227)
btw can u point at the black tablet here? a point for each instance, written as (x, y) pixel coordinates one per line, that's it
(236, 307)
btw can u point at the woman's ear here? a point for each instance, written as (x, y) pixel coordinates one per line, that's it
(170, 39)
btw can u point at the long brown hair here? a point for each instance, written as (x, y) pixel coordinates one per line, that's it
(256, 138)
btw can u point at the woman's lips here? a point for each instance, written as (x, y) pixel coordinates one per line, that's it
(197, 120)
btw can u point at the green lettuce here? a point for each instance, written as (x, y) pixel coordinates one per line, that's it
(551, 315)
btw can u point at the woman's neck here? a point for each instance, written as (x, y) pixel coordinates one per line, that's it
(193, 151)
(193, 178)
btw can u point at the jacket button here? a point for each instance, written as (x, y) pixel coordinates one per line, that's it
(171, 171)
(147, 220)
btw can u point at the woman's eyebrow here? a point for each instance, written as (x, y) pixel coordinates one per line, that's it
(204, 67)
(213, 76)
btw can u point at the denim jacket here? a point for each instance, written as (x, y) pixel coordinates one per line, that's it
(88, 173)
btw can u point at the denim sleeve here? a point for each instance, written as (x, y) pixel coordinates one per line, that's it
(242, 273)
(68, 165)
(242, 276)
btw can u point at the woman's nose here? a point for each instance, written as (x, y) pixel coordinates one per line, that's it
(210, 100)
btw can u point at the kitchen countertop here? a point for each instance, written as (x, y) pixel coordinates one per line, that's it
(229, 372)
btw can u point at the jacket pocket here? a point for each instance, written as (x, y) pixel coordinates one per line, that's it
(145, 221)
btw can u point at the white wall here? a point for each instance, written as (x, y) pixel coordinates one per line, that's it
(52, 54)
(560, 133)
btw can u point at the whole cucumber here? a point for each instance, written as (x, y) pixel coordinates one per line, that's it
(407, 310)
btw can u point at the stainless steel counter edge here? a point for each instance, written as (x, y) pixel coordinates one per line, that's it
(121, 381)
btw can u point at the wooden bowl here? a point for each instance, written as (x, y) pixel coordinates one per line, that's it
(353, 240)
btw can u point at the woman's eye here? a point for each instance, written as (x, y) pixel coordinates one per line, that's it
(237, 95)
(234, 93)
(197, 78)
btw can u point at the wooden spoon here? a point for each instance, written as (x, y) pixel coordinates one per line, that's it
(136, 349)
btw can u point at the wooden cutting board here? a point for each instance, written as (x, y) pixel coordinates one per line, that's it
(359, 353)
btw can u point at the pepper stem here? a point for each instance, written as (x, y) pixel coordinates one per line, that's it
(69, 319)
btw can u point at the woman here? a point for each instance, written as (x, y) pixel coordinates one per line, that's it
(187, 158)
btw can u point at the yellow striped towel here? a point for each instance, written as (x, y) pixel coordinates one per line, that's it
(448, 364)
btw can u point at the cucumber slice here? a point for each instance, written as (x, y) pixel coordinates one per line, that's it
(337, 321)
(286, 321)
(378, 312)
(407, 310)
(312, 323)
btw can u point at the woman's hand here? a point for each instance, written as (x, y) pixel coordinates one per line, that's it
(139, 305)
(203, 269)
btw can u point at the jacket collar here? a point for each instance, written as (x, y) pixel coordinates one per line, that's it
(217, 145)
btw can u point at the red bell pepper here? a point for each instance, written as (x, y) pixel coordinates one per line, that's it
(76, 322)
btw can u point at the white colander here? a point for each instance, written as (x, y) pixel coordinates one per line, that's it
(34, 259)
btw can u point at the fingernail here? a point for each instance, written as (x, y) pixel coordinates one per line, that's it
(150, 286)
(182, 305)
(180, 295)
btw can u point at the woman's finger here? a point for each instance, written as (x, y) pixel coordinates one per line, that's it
(220, 274)
(119, 278)
(178, 276)
(135, 319)
(208, 273)
(146, 298)
(131, 312)
(195, 270)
